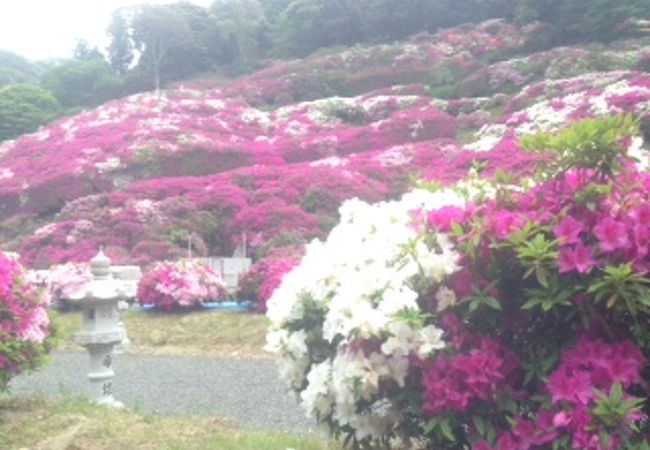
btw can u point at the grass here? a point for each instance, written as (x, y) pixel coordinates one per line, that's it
(72, 423)
(204, 333)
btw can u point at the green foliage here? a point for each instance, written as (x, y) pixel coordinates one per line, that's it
(537, 255)
(307, 25)
(575, 20)
(120, 50)
(15, 69)
(390, 19)
(162, 37)
(82, 83)
(243, 26)
(82, 52)
(621, 284)
(24, 108)
(316, 200)
(593, 143)
(612, 410)
(207, 42)
(352, 114)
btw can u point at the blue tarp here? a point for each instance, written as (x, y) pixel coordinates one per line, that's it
(245, 305)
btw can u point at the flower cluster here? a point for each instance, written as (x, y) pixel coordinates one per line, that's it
(508, 315)
(63, 281)
(346, 320)
(452, 383)
(265, 276)
(180, 285)
(24, 322)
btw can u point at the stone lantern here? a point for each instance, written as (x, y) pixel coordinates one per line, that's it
(101, 331)
(129, 276)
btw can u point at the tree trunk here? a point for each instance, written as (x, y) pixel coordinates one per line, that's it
(157, 78)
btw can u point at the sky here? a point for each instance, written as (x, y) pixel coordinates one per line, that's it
(40, 29)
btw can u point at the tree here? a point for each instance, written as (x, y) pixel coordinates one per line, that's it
(83, 52)
(583, 20)
(14, 69)
(82, 83)
(206, 45)
(24, 108)
(243, 25)
(274, 8)
(162, 38)
(391, 19)
(307, 25)
(120, 50)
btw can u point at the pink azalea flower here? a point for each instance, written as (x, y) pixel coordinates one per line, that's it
(462, 284)
(568, 385)
(568, 230)
(579, 258)
(507, 442)
(442, 218)
(561, 419)
(641, 235)
(481, 445)
(641, 214)
(578, 178)
(612, 234)
(505, 223)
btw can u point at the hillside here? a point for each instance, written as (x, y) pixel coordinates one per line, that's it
(15, 69)
(274, 153)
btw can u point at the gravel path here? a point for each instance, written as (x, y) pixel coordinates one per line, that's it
(248, 391)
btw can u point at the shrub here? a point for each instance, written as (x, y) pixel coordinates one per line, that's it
(24, 108)
(180, 285)
(592, 143)
(482, 316)
(82, 83)
(63, 281)
(24, 323)
(264, 277)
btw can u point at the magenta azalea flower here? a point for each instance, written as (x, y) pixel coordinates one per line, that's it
(612, 235)
(24, 322)
(505, 223)
(578, 257)
(568, 231)
(442, 218)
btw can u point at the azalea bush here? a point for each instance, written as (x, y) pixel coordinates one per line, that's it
(24, 323)
(180, 285)
(510, 314)
(63, 282)
(265, 276)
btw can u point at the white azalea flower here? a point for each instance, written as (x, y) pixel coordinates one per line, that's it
(445, 298)
(352, 289)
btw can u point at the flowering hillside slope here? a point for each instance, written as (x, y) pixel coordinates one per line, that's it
(272, 155)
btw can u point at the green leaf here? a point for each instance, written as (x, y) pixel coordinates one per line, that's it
(457, 229)
(431, 425)
(604, 439)
(611, 301)
(530, 304)
(616, 393)
(493, 303)
(491, 435)
(446, 430)
(541, 276)
(479, 424)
